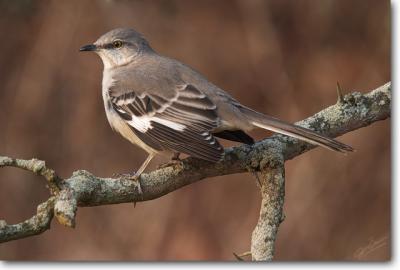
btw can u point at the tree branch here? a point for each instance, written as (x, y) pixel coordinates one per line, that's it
(351, 112)
(33, 226)
(271, 212)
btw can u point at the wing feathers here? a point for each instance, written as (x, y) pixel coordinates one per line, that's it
(182, 123)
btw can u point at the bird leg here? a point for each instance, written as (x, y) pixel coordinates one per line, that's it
(136, 175)
(143, 167)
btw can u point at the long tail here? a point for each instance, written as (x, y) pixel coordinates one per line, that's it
(273, 124)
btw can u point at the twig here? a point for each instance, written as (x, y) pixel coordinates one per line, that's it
(339, 93)
(33, 226)
(36, 166)
(240, 257)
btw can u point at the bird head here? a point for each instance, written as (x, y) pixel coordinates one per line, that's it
(119, 47)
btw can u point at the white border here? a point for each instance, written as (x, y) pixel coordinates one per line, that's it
(394, 264)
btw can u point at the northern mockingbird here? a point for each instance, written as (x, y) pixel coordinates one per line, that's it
(163, 105)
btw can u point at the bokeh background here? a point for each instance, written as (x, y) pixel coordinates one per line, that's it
(279, 57)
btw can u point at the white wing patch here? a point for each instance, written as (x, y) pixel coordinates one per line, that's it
(168, 123)
(143, 123)
(182, 122)
(140, 123)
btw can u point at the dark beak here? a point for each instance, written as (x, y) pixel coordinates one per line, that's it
(88, 48)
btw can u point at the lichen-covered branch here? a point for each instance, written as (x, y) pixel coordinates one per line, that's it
(271, 212)
(351, 112)
(36, 166)
(33, 226)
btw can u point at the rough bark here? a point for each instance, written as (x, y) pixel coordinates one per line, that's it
(271, 212)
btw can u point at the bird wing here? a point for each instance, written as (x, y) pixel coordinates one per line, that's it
(182, 122)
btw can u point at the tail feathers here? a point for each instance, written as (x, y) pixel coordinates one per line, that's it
(270, 123)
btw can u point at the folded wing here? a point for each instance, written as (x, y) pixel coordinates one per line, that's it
(182, 123)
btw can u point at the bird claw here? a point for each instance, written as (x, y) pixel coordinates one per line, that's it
(170, 163)
(131, 176)
(123, 175)
(175, 160)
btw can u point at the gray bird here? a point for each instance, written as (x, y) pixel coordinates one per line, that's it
(164, 106)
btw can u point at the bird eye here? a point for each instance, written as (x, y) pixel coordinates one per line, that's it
(117, 44)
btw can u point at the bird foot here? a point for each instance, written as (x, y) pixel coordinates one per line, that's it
(175, 160)
(125, 175)
(131, 176)
(170, 163)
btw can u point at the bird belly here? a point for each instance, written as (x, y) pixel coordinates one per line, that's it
(122, 128)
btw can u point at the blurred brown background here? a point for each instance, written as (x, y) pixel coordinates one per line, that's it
(279, 57)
